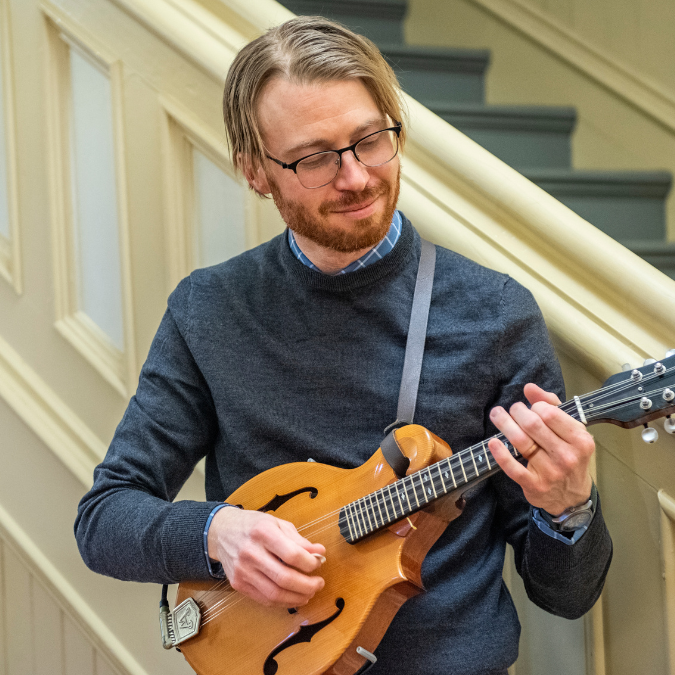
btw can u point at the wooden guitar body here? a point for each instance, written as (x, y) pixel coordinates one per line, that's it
(366, 582)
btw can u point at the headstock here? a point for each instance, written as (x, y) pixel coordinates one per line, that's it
(636, 396)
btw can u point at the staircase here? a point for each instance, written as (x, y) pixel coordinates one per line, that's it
(535, 140)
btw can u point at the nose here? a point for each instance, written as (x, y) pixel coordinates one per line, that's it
(352, 175)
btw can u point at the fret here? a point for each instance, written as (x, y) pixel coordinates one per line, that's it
(377, 501)
(473, 459)
(371, 509)
(349, 525)
(393, 503)
(431, 478)
(405, 492)
(461, 464)
(355, 515)
(419, 483)
(487, 456)
(386, 506)
(414, 490)
(400, 485)
(452, 472)
(440, 474)
(370, 522)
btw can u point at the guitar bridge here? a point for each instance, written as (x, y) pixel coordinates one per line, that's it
(181, 624)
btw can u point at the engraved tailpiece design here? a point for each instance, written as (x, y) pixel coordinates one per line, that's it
(184, 621)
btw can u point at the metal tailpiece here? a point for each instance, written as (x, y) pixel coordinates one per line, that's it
(181, 624)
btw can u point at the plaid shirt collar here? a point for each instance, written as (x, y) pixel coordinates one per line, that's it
(375, 253)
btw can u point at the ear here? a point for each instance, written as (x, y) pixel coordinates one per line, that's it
(255, 175)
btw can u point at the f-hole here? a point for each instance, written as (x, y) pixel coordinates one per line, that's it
(305, 634)
(279, 500)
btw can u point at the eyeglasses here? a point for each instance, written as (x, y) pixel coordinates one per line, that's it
(320, 168)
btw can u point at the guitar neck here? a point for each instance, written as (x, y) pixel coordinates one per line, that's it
(411, 493)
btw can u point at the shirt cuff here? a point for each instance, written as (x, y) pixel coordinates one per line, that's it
(214, 567)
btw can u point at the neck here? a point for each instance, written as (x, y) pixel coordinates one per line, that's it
(326, 259)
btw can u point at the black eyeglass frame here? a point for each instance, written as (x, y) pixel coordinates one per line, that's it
(293, 166)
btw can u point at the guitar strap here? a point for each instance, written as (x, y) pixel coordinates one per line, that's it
(412, 363)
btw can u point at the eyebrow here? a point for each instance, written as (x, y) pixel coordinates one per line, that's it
(318, 142)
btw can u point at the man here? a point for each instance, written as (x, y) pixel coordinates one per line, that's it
(295, 350)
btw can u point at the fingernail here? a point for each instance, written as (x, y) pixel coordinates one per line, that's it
(495, 411)
(319, 557)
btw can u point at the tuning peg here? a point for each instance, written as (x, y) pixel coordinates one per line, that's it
(626, 366)
(670, 352)
(649, 434)
(649, 362)
(669, 425)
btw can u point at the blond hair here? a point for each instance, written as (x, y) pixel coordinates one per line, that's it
(305, 49)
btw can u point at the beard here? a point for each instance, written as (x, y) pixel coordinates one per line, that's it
(363, 233)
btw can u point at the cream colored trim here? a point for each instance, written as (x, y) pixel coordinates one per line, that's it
(62, 431)
(10, 251)
(118, 368)
(182, 131)
(646, 95)
(667, 504)
(67, 598)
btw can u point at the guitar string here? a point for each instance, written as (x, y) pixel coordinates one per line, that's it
(571, 404)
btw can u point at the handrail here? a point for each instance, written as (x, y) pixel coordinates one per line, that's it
(603, 304)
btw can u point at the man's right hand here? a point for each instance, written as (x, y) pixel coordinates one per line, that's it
(264, 557)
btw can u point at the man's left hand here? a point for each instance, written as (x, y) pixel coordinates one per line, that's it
(557, 447)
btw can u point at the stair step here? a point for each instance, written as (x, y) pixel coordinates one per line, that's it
(525, 137)
(626, 205)
(379, 20)
(659, 254)
(444, 75)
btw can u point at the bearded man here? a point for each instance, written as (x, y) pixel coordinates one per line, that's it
(294, 350)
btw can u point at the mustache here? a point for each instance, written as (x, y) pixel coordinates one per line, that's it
(354, 198)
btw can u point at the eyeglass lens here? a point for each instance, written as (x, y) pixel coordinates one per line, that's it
(374, 150)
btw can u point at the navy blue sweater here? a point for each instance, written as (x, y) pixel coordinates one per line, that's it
(261, 361)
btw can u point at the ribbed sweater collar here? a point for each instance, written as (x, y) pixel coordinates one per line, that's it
(396, 259)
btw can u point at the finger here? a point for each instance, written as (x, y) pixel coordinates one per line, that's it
(509, 465)
(296, 551)
(264, 590)
(523, 428)
(564, 426)
(534, 393)
(284, 575)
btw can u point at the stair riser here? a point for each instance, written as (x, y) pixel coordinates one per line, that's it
(623, 219)
(524, 149)
(446, 87)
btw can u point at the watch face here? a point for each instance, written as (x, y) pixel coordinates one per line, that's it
(576, 520)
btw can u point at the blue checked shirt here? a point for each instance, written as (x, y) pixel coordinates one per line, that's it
(375, 253)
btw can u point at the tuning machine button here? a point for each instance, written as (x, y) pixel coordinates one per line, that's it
(669, 425)
(626, 367)
(649, 434)
(648, 362)
(670, 352)
(668, 394)
(645, 403)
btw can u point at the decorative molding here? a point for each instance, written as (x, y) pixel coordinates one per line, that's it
(10, 251)
(66, 597)
(644, 94)
(182, 131)
(52, 421)
(117, 367)
(667, 504)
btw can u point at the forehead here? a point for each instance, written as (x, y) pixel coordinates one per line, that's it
(292, 114)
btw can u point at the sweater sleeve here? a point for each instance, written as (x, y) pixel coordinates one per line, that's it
(563, 579)
(127, 525)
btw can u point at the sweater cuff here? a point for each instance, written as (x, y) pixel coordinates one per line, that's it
(554, 557)
(182, 541)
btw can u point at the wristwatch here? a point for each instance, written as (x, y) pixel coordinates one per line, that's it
(575, 517)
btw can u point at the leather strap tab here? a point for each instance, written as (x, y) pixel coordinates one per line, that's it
(412, 362)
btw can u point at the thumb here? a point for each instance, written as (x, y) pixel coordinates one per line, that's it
(534, 394)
